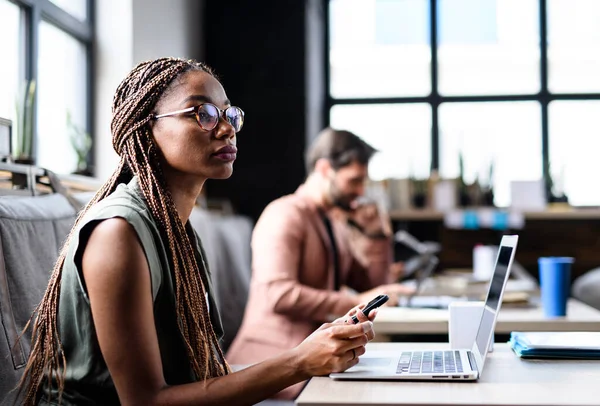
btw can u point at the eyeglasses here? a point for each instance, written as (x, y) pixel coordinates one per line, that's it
(208, 116)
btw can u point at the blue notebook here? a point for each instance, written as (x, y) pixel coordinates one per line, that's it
(566, 345)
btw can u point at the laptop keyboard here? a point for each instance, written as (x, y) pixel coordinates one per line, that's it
(429, 362)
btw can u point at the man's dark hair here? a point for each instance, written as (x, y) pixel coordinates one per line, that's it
(340, 148)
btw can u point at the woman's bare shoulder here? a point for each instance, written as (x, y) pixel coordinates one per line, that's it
(113, 251)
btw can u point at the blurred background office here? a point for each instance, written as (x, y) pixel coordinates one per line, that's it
(485, 113)
(501, 97)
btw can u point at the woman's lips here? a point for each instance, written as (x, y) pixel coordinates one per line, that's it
(228, 153)
(225, 157)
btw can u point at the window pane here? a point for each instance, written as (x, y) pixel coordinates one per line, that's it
(77, 8)
(401, 133)
(488, 47)
(379, 48)
(573, 43)
(62, 89)
(574, 145)
(508, 134)
(10, 16)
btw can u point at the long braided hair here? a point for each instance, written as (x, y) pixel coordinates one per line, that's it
(133, 103)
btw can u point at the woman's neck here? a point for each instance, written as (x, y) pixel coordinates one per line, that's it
(184, 189)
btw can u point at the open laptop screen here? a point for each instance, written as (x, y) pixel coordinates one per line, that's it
(486, 327)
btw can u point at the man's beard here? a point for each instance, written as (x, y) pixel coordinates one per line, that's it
(340, 200)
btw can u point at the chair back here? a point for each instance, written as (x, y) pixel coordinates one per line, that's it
(32, 231)
(226, 240)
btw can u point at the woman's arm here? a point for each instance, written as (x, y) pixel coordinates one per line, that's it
(118, 282)
(316, 356)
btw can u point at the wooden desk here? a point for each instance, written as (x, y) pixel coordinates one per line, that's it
(400, 320)
(507, 380)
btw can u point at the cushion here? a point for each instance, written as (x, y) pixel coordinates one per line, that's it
(586, 288)
(226, 240)
(32, 231)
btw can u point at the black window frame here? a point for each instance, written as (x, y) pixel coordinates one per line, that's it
(435, 99)
(33, 12)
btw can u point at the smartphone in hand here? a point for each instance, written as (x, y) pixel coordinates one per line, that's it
(373, 304)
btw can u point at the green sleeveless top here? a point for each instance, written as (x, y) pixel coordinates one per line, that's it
(87, 380)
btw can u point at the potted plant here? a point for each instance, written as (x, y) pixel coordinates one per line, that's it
(81, 142)
(555, 186)
(23, 133)
(464, 197)
(487, 188)
(418, 192)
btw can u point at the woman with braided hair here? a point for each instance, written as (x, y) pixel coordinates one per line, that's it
(128, 316)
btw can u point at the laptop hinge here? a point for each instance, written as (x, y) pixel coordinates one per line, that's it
(472, 361)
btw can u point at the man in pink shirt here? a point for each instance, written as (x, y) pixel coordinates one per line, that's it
(313, 250)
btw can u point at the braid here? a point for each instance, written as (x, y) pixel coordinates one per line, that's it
(133, 102)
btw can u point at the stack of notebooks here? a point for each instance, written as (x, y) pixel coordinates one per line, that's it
(567, 345)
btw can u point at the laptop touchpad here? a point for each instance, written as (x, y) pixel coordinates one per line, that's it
(374, 362)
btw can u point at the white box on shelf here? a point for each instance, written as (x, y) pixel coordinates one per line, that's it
(528, 195)
(444, 195)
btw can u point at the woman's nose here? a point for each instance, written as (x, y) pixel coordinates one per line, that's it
(225, 129)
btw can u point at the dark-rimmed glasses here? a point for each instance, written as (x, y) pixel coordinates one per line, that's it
(208, 116)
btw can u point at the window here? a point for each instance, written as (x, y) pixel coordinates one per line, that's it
(513, 83)
(488, 47)
(77, 8)
(573, 43)
(10, 68)
(398, 131)
(574, 145)
(388, 54)
(62, 67)
(48, 43)
(504, 135)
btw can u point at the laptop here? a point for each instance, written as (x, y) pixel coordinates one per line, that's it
(443, 364)
(415, 300)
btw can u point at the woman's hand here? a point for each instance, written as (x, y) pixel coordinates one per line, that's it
(333, 347)
(336, 346)
(357, 311)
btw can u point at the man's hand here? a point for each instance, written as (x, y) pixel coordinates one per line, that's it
(370, 220)
(397, 270)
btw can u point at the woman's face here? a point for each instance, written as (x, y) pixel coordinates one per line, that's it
(185, 146)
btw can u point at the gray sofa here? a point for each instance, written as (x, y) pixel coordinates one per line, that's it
(226, 240)
(586, 288)
(32, 230)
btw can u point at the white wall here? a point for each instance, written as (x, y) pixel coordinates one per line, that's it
(167, 28)
(128, 32)
(113, 58)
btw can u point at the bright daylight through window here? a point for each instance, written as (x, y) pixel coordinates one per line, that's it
(508, 85)
(45, 79)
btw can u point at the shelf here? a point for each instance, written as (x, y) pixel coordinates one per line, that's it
(432, 215)
(416, 215)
